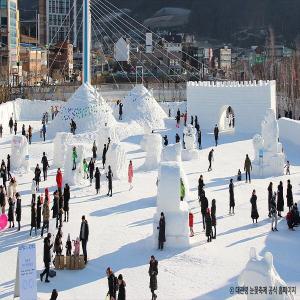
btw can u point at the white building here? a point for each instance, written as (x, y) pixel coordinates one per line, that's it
(122, 50)
(225, 58)
(231, 105)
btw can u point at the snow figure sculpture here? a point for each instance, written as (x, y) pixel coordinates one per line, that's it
(74, 177)
(262, 273)
(190, 152)
(116, 158)
(269, 158)
(168, 201)
(60, 142)
(153, 147)
(19, 154)
(103, 134)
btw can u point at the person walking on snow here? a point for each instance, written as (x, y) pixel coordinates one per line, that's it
(130, 174)
(46, 216)
(210, 159)
(199, 138)
(85, 169)
(161, 231)
(44, 130)
(94, 150)
(254, 212)
(8, 167)
(153, 272)
(203, 205)
(45, 165)
(273, 212)
(84, 236)
(18, 210)
(91, 168)
(201, 186)
(216, 134)
(289, 195)
(74, 158)
(177, 138)
(59, 181)
(121, 285)
(33, 218)
(37, 176)
(15, 127)
(120, 110)
(10, 215)
(280, 200)
(208, 225)
(29, 134)
(112, 284)
(270, 196)
(178, 118)
(213, 218)
(104, 156)
(109, 177)
(23, 130)
(248, 168)
(166, 142)
(47, 257)
(287, 166)
(11, 125)
(97, 180)
(231, 197)
(67, 197)
(191, 224)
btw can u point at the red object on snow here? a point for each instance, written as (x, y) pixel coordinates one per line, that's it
(191, 220)
(130, 173)
(59, 179)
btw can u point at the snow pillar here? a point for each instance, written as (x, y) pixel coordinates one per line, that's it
(86, 41)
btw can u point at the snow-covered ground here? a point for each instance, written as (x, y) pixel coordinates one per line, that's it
(121, 228)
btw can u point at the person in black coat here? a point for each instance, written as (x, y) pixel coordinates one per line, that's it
(38, 213)
(204, 205)
(153, 272)
(109, 177)
(162, 231)
(91, 168)
(280, 200)
(112, 284)
(15, 127)
(37, 176)
(66, 202)
(47, 257)
(120, 110)
(166, 142)
(208, 225)
(254, 212)
(33, 218)
(216, 134)
(4, 174)
(104, 156)
(11, 125)
(97, 180)
(289, 195)
(122, 290)
(55, 206)
(45, 165)
(177, 138)
(23, 130)
(270, 196)
(201, 185)
(11, 208)
(213, 218)
(199, 138)
(84, 236)
(210, 159)
(231, 197)
(8, 167)
(18, 211)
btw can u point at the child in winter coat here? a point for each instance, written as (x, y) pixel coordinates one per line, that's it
(76, 246)
(68, 246)
(191, 224)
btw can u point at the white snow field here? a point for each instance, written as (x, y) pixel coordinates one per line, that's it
(121, 227)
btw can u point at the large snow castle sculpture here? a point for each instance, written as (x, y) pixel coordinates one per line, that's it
(269, 157)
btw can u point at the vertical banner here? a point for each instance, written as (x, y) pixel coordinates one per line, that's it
(25, 283)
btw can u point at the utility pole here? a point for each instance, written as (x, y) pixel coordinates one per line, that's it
(86, 42)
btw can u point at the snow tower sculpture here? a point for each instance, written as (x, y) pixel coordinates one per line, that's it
(262, 273)
(269, 157)
(190, 152)
(19, 154)
(171, 189)
(153, 146)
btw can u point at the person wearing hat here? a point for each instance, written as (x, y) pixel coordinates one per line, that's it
(84, 235)
(208, 227)
(162, 231)
(47, 257)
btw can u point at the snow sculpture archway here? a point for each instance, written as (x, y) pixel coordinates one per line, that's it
(226, 119)
(249, 101)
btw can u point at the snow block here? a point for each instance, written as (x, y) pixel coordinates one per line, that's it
(172, 152)
(153, 147)
(168, 201)
(74, 177)
(19, 154)
(116, 159)
(287, 130)
(269, 157)
(60, 142)
(261, 272)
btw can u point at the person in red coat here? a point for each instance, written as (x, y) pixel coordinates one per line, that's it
(191, 223)
(130, 174)
(59, 181)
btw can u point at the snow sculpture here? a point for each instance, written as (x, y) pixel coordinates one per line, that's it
(153, 147)
(116, 158)
(74, 177)
(190, 152)
(168, 201)
(103, 134)
(262, 273)
(19, 154)
(60, 142)
(269, 158)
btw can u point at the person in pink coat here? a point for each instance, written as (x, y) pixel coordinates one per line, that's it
(130, 174)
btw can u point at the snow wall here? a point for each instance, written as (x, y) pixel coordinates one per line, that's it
(248, 100)
(289, 130)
